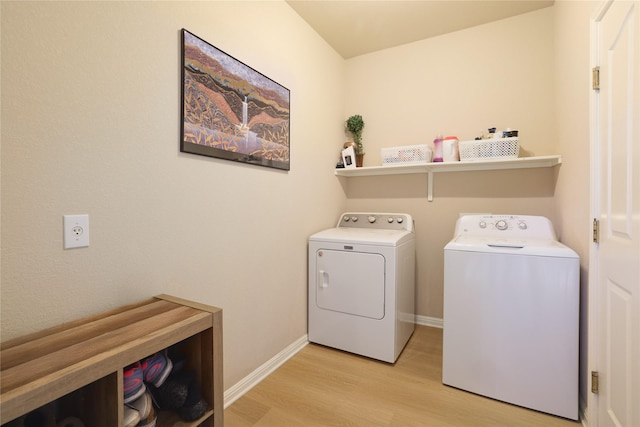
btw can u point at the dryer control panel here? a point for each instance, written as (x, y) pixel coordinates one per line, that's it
(381, 221)
(505, 226)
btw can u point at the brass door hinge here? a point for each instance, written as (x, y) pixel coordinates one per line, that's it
(595, 78)
(596, 230)
(595, 382)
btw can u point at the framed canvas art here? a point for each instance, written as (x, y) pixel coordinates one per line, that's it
(230, 110)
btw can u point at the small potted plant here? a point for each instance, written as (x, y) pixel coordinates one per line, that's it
(354, 125)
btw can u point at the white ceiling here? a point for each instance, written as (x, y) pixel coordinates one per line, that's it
(356, 27)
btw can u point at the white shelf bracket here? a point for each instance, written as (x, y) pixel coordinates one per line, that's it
(430, 186)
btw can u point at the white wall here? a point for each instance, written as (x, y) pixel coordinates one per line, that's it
(499, 74)
(91, 124)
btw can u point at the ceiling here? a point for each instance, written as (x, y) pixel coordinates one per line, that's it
(356, 27)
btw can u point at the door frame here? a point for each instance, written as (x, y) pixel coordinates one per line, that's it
(591, 412)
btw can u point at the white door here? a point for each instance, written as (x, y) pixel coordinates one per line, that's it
(617, 191)
(350, 282)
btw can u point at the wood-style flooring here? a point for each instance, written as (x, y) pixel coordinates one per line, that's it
(320, 386)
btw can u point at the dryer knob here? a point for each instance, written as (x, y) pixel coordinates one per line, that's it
(522, 225)
(372, 219)
(390, 219)
(346, 218)
(502, 225)
(354, 218)
(400, 220)
(482, 224)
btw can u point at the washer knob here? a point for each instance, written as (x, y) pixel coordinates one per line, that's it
(400, 220)
(502, 225)
(354, 218)
(522, 225)
(346, 218)
(372, 219)
(482, 224)
(390, 219)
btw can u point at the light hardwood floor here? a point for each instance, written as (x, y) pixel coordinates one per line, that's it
(320, 386)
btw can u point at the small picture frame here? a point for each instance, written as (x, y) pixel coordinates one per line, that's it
(349, 158)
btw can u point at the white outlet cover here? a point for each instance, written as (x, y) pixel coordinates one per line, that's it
(76, 231)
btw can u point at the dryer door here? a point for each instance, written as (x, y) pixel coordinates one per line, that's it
(350, 282)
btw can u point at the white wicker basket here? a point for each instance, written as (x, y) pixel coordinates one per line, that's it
(406, 155)
(487, 149)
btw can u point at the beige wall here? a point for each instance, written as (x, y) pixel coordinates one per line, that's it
(459, 84)
(500, 74)
(91, 123)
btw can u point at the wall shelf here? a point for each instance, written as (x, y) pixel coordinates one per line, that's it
(431, 168)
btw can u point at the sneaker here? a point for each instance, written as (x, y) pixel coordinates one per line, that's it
(143, 404)
(178, 359)
(194, 406)
(149, 420)
(192, 413)
(131, 417)
(133, 384)
(173, 393)
(156, 368)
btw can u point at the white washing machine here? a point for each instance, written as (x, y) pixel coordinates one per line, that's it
(511, 313)
(362, 284)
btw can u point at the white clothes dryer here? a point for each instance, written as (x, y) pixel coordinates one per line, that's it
(511, 313)
(362, 285)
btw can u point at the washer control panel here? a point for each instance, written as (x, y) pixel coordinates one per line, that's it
(386, 221)
(536, 227)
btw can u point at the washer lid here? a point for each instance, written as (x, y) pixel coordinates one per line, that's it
(380, 237)
(515, 246)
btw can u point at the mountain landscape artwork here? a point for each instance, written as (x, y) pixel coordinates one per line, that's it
(231, 111)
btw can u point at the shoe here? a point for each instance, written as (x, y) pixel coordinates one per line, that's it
(143, 404)
(192, 413)
(133, 382)
(156, 368)
(178, 359)
(172, 394)
(194, 407)
(131, 417)
(149, 420)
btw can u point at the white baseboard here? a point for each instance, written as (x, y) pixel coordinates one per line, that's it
(434, 322)
(247, 383)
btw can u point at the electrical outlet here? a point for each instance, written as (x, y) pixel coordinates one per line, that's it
(76, 231)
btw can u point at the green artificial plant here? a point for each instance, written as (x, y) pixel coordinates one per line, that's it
(355, 125)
